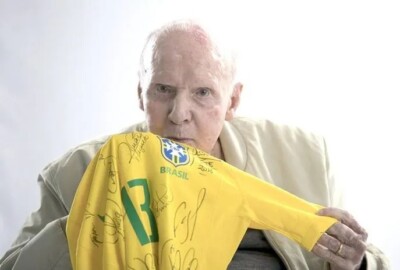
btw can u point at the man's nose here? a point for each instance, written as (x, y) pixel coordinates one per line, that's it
(180, 111)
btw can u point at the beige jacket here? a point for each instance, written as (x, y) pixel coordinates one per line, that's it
(296, 161)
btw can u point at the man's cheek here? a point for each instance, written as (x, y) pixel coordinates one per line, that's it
(215, 113)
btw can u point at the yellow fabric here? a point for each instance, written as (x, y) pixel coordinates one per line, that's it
(149, 203)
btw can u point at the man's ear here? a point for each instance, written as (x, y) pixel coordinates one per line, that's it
(234, 101)
(140, 96)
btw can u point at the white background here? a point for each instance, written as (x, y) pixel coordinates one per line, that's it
(68, 74)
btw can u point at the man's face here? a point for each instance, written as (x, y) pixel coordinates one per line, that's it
(187, 97)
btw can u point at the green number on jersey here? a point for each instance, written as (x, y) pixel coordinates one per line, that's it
(133, 216)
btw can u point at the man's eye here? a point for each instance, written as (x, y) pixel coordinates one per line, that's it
(163, 88)
(203, 92)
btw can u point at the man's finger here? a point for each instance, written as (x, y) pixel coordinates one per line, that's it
(347, 236)
(345, 218)
(330, 256)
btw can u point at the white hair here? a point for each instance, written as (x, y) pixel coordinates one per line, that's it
(224, 54)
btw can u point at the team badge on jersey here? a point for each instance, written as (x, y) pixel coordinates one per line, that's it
(174, 152)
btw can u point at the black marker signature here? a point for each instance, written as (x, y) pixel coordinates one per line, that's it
(149, 262)
(161, 200)
(94, 236)
(206, 161)
(134, 145)
(176, 258)
(112, 222)
(185, 219)
(112, 172)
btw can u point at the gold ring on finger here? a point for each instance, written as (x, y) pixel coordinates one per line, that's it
(339, 249)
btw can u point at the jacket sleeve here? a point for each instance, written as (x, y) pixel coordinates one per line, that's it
(44, 229)
(41, 242)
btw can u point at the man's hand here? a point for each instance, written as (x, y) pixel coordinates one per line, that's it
(344, 244)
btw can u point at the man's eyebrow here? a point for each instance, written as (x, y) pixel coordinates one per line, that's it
(164, 84)
(205, 87)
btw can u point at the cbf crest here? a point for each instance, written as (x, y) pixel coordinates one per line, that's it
(174, 152)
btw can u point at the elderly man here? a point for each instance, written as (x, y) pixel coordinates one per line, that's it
(188, 93)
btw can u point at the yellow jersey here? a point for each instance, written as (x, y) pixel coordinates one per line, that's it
(147, 202)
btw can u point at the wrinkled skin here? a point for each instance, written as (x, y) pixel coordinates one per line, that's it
(346, 232)
(187, 97)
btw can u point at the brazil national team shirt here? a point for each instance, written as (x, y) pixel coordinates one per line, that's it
(146, 202)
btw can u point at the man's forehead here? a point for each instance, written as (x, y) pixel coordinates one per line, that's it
(179, 42)
(189, 55)
(185, 54)
(196, 58)
(194, 76)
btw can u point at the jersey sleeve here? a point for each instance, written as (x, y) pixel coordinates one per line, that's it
(271, 208)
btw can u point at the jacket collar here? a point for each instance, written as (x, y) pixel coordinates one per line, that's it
(233, 146)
